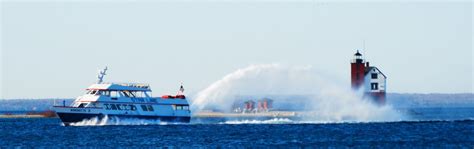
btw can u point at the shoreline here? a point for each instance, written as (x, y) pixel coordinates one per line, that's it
(25, 116)
(29, 114)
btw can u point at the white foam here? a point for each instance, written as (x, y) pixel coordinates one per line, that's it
(117, 121)
(270, 121)
(288, 121)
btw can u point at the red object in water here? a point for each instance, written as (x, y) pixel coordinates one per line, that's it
(265, 105)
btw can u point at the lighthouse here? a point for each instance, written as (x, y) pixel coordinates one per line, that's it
(373, 81)
(357, 71)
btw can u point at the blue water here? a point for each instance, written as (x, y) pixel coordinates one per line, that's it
(47, 132)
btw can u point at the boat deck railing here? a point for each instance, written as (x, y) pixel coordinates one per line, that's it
(139, 85)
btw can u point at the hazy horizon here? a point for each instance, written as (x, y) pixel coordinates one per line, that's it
(54, 48)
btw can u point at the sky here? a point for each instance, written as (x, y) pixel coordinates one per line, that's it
(55, 48)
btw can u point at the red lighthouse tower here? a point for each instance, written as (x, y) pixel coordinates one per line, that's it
(357, 71)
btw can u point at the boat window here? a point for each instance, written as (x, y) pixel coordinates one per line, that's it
(132, 94)
(133, 108)
(146, 94)
(150, 107)
(81, 105)
(114, 107)
(126, 93)
(179, 107)
(144, 108)
(114, 94)
(185, 107)
(126, 107)
(138, 94)
(119, 107)
(174, 107)
(93, 92)
(106, 93)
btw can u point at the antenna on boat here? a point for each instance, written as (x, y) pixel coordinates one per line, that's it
(181, 89)
(101, 75)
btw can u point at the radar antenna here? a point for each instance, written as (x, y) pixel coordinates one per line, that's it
(101, 75)
(181, 89)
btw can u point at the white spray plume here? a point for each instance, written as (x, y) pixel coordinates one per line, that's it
(327, 100)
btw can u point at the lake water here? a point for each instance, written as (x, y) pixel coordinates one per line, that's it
(435, 128)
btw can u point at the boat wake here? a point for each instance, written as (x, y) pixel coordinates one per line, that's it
(115, 121)
(270, 121)
(96, 121)
(288, 121)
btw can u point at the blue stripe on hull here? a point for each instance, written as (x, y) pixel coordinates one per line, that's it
(68, 118)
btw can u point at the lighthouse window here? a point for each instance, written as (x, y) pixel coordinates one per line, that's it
(374, 86)
(374, 76)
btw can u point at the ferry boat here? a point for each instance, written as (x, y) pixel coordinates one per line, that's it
(124, 100)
